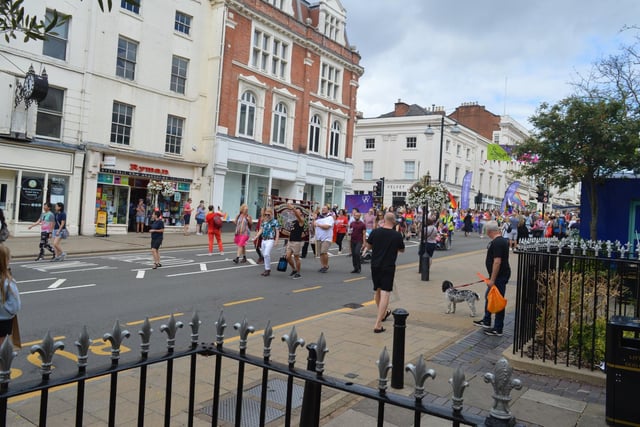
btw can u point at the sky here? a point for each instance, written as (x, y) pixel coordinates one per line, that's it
(508, 55)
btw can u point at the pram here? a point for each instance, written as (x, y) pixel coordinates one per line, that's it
(443, 241)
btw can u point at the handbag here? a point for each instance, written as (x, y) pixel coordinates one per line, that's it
(64, 233)
(15, 333)
(495, 301)
(282, 263)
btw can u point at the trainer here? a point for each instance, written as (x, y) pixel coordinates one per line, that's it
(385, 243)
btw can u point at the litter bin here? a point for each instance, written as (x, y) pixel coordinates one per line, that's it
(623, 371)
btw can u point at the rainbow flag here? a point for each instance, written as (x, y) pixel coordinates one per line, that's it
(452, 201)
(517, 199)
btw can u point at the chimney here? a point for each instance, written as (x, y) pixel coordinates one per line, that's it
(401, 109)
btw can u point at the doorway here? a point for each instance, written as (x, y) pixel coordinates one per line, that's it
(6, 198)
(137, 194)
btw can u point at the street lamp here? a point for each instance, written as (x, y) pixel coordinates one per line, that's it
(429, 132)
(423, 262)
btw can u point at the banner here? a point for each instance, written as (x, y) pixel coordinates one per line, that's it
(363, 202)
(466, 188)
(508, 195)
(496, 152)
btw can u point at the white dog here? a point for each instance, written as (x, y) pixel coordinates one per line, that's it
(454, 296)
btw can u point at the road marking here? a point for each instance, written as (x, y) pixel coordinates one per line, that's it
(313, 288)
(229, 304)
(203, 266)
(27, 344)
(57, 283)
(140, 274)
(153, 319)
(35, 280)
(58, 289)
(189, 273)
(355, 279)
(251, 261)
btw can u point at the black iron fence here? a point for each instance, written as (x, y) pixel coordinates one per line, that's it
(566, 292)
(303, 389)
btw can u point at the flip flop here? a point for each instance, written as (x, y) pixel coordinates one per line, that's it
(377, 331)
(386, 315)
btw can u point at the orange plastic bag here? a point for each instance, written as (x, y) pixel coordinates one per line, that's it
(495, 301)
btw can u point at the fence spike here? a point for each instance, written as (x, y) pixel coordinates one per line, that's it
(384, 366)
(145, 337)
(293, 342)
(46, 350)
(171, 330)
(6, 359)
(321, 351)
(267, 337)
(116, 337)
(420, 374)
(195, 328)
(244, 330)
(220, 327)
(502, 386)
(83, 344)
(458, 384)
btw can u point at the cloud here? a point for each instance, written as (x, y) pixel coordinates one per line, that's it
(507, 55)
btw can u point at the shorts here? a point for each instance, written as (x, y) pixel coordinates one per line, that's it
(323, 246)
(187, 219)
(55, 233)
(140, 219)
(6, 326)
(383, 278)
(241, 240)
(156, 243)
(295, 247)
(199, 220)
(430, 248)
(513, 235)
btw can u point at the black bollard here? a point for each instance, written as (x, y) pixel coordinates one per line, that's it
(424, 265)
(310, 412)
(397, 359)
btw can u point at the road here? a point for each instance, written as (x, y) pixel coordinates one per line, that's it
(61, 297)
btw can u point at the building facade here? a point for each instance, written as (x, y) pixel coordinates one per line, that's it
(287, 106)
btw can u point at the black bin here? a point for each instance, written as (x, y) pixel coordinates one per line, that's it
(623, 371)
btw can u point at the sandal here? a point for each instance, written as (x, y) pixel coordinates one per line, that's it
(386, 315)
(155, 266)
(377, 331)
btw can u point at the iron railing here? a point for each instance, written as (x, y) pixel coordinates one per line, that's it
(566, 292)
(312, 378)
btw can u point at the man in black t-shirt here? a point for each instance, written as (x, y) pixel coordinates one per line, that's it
(294, 245)
(497, 263)
(386, 243)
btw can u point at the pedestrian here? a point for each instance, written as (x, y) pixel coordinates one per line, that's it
(186, 216)
(141, 213)
(10, 296)
(243, 224)
(214, 225)
(358, 236)
(59, 231)
(269, 231)
(385, 243)
(497, 263)
(156, 228)
(370, 220)
(4, 228)
(201, 212)
(324, 236)
(46, 221)
(294, 245)
(340, 228)
(468, 224)
(430, 240)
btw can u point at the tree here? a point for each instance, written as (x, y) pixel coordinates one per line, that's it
(581, 140)
(422, 191)
(13, 20)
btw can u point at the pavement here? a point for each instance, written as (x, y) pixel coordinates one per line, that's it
(551, 395)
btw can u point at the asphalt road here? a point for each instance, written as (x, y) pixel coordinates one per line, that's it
(61, 297)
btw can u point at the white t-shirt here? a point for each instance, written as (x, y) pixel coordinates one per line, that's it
(322, 234)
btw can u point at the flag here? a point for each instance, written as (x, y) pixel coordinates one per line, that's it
(466, 187)
(508, 195)
(517, 199)
(496, 152)
(452, 201)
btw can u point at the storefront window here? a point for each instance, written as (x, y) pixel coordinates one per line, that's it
(333, 193)
(57, 189)
(245, 184)
(114, 199)
(31, 192)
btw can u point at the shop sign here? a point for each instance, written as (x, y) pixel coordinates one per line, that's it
(109, 161)
(147, 169)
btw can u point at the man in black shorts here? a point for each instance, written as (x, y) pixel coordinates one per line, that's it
(386, 243)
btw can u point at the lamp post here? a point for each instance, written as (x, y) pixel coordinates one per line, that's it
(423, 262)
(429, 132)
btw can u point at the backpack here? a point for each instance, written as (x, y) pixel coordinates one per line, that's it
(509, 227)
(217, 221)
(11, 304)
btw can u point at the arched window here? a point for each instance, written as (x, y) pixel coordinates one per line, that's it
(279, 131)
(314, 134)
(334, 144)
(247, 117)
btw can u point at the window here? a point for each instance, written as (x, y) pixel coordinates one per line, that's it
(178, 74)
(131, 5)
(481, 154)
(49, 119)
(247, 119)
(496, 138)
(182, 23)
(275, 3)
(448, 146)
(55, 44)
(121, 121)
(173, 140)
(468, 154)
(456, 176)
(410, 169)
(278, 134)
(331, 27)
(445, 174)
(411, 142)
(370, 143)
(270, 54)
(330, 81)
(334, 142)
(314, 134)
(126, 63)
(367, 170)
(458, 150)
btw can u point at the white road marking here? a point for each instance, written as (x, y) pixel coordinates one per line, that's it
(57, 283)
(140, 274)
(211, 271)
(35, 280)
(88, 269)
(251, 261)
(203, 266)
(57, 289)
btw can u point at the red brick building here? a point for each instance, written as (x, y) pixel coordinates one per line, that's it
(287, 103)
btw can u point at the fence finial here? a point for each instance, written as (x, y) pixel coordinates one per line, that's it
(267, 337)
(83, 344)
(46, 349)
(244, 329)
(321, 351)
(220, 327)
(458, 384)
(384, 366)
(6, 359)
(116, 337)
(502, 386)
(195, 328)
(420, 374)
(171, 329)
(293, 342)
